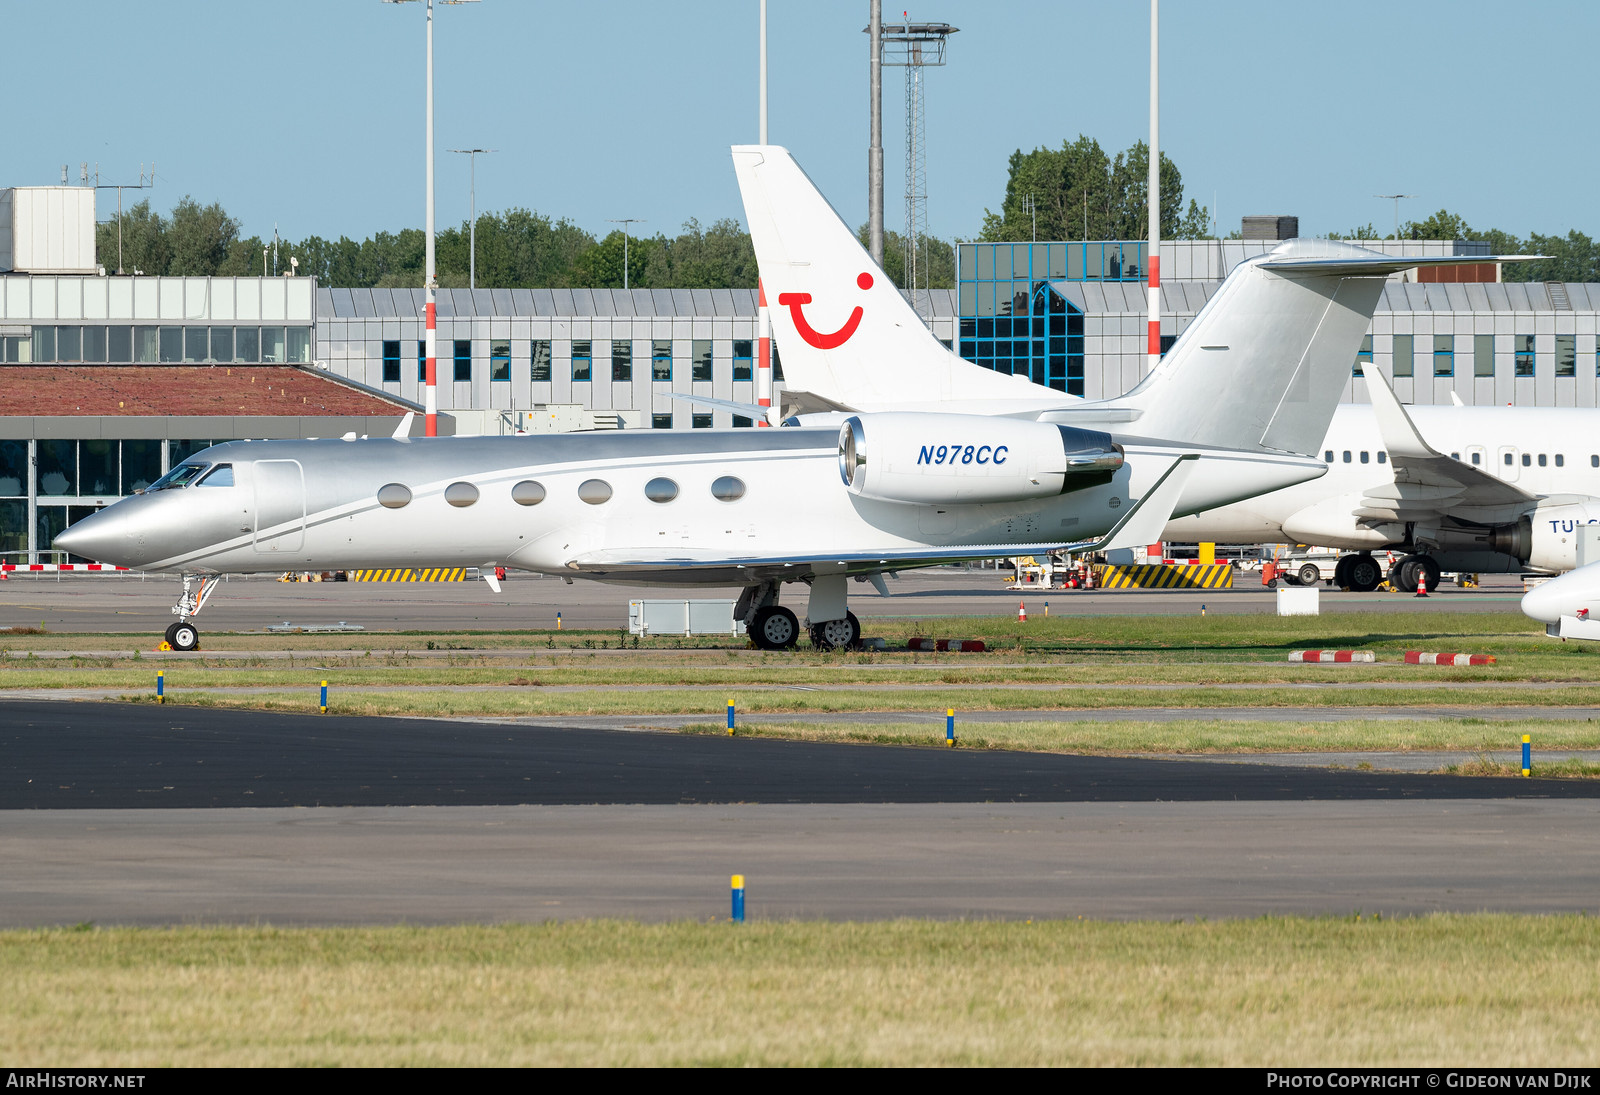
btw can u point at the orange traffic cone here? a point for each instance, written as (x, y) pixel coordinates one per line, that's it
(1422, 584)
(1022, 613)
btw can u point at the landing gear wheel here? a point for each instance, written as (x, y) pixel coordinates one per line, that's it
(837, 634)
(184, 637)
(1309, 575)
(1403, 575)
(1427, 568)
(1341, 571)
(171, 634)
(1363, 574)
(775, 628)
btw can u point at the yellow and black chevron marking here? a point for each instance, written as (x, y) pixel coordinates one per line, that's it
(409, 574)
(1152, 576)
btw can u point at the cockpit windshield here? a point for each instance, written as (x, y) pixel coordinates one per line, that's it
(219, 476)
(180, 476)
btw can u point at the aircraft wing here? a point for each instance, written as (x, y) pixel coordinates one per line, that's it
(1427, 483)
(1142, 524)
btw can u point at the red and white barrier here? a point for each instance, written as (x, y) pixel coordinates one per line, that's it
(1416, 657)
(1331, 656)
(31, 568)
(958, 646)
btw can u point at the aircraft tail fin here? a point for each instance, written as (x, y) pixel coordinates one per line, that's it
(1264, 362)
(843, 326)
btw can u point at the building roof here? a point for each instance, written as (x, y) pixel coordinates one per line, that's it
(144, 390)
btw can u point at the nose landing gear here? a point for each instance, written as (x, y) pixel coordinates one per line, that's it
(183, 635)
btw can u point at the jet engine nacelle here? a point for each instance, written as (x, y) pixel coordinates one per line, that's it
(937, 459)
(1547, 539)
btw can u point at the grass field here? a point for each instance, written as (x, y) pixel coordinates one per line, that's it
(1080, 663)
(1200, 735)
(1467, 990)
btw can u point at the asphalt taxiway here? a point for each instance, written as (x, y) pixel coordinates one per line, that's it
(159, 815)
(127, 603)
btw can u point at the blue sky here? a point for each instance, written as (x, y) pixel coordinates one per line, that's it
(309, 114)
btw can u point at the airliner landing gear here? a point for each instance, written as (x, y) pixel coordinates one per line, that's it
(1405, 574)
(837, 634)
(183, 635)
(1358, 573)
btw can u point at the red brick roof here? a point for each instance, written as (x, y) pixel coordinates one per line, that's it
(180, 390)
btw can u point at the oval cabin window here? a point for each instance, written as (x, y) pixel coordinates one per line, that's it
(727, 488)
(594, 491)
(394, 496)
(527, 493)
(461, 495)
(661, 489)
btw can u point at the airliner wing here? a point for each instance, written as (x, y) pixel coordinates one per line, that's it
(1427, 483)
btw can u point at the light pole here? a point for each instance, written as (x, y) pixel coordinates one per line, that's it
(625, 221)
(1396, 198)
(430, 279)
(472, 261)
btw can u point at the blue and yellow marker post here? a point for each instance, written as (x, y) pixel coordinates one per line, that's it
(558, 621)
(730, 716)
(161, 694)
(1527, 754)
(324, 697)
(736, 913)
(950, 727)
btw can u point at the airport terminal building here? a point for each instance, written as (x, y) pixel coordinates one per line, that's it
(109, 380)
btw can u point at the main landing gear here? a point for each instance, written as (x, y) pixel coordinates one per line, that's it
(1411, 569)
(1358, 573)
(773, 627)
(183, 635)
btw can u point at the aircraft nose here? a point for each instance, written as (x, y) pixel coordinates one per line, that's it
(98, 536)
(1544, 602)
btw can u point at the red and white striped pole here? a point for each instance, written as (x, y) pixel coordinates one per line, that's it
(1153, 259)
(764, 353)
(763, 318)
(430, 398)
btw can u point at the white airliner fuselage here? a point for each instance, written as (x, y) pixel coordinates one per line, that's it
(1549, 455)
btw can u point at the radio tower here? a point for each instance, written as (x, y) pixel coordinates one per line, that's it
(914, 47)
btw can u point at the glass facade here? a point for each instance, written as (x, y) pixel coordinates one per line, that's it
(123, 344)
(1040, 337)
(622, 360)
(500, 360)
(661, 359)
(582, 358)
(743, 359)
(540, 359)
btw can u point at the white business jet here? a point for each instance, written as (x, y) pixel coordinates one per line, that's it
(1514, 485)
(873, 493)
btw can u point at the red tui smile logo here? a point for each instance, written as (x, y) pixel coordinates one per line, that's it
(830, 340)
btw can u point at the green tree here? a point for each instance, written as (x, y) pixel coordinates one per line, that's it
(144, 242)
(1360, 232)
(936, 259)
(199, 238)
(1079, 192)
(719, 257)
(600, 267)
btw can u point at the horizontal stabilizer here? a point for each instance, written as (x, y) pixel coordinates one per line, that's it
(1379, 265)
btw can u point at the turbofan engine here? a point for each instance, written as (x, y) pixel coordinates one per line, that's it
(1547, 539)
(935, 459)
